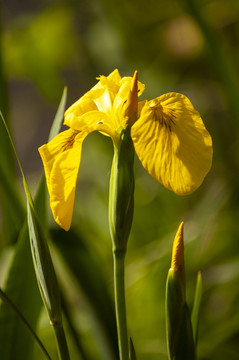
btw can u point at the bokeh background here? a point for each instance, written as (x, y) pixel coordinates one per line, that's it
(186, 46)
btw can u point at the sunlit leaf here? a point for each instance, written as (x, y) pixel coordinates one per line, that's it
(57, 123)
(86, 269)
(132, 353)
(21, 287)
(196, 307)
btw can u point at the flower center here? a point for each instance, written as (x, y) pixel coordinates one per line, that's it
(162, 114)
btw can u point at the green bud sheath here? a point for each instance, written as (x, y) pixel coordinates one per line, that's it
(178, 322)
(121, 197)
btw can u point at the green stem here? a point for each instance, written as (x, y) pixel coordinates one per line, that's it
(62, 347)
(120, 306)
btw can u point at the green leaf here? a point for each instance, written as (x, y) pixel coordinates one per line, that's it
(185, 346)
(72, 331)
(57, 122)
(8, 301)
(21, 287)
(132, 353)
(43, 265)
(196, 307)
(44, 268)
(86, 270)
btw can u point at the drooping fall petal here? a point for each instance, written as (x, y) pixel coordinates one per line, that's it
(61, 159)
(172, 143)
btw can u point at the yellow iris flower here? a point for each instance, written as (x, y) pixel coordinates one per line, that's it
(168, 134)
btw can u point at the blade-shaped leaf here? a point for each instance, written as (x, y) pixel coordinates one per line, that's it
(196, 307)
(87, 272)
(56, 126)
(132, 353)
(44, 268)
(21, 287)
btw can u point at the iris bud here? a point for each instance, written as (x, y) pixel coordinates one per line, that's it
(121, 198)
(178, 323)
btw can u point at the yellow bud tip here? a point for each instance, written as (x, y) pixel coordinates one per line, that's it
(134, 87)
(131, 111)
(178, 250)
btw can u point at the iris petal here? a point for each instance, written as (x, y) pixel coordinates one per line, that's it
(172, 143)
(61, 159)
(80, 107)
(95, 98)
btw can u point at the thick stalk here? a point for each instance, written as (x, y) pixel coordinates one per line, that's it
(120, 306)
(121, 206)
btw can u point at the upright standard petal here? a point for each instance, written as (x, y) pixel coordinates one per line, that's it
(172, 143)
(99, 98)
(61, 159)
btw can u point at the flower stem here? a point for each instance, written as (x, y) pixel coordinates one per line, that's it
(120, 306)
(62, 348)
(121, 208)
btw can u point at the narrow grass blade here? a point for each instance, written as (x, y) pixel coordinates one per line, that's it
(132, 353)
(6, 299)
(196, 307)
(57, 122)
(21, 287)
(44, 268)
(77, 257)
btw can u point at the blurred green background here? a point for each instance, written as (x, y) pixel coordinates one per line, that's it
(186, 46)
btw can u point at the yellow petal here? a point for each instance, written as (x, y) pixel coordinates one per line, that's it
(115, 76)
(61, 158)
(110, 82)
(108, 96)
(124, 90)
(80, 107)
(97, 98)
(172, 143)
(94, 121)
